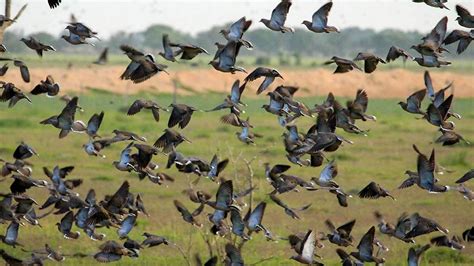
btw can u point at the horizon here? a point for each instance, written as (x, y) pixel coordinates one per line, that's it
(39, 18)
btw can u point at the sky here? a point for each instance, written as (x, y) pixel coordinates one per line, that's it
(192, 16)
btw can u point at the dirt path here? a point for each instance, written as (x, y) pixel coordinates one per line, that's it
(381, 84)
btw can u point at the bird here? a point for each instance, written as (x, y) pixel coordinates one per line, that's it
(431, 45)
(346, 259)
(186, 214)
(466, 192)
(3, 48)
(437, 116)
(319, 21)
(414, 254)
(464, 18)
(278, 17)
(463, 37)
(142, 66)
(374, 191)
(288, 210)
(54, 3)
(111, 251)
(433, 3)
(431, 61)
(188, 51)
(366, 248)
(466, 177)
(226, 58)
(444, 241)
(81, 30)
(65, 120)
(25, 73)
(12, 93)
(216, 167)
(168, 53)
(468, 235)
(140, 104)
(370, 61)
(24, 151)
(450, 137)
(3, 70)
(413, 102)
(236, 32)
(76, 39)
(154, 240)
(395, 52)
(65, 226)
(36, 45)
(11, 235)
(306, 253)
(47, 86)
(180, 115)
(233, 255)
(170, 140)
(121, 135)
(358, 107)
(341, 235)
(127, 225)
(103, 57)
(327, 175)
(268, 73)
(420, 225)
(343, 65)
(436, 97)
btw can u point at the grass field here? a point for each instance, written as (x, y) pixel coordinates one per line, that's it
(382, 156)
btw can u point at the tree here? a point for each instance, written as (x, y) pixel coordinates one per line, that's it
(8, 22)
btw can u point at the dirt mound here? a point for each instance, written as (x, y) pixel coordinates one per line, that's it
(381, 84)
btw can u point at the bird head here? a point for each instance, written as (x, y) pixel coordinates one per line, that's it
(307, 23)
(22, 40)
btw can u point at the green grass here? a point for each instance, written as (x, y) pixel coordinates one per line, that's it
(382, 156)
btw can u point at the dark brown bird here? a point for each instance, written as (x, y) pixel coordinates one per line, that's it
(103, 57)
(122, 135)
(374, 191)
(414, 254)
(444, 241)
(65, 120)
(358, 107)
(289, 211)
(437, 116)
(463, 37)
(236, 32)
(450, 137)
(395, 52)
(433, 3)
(186, 214)
(141, 67)
(170, 140)
(420, 225)
(140, 104)
(343, 65)
(11, 93)
(154, 240)
(188, 51)
(370, 61)
(24, 151)
(47, 86)
(268, 73)
(180, 115)
(226, 57)
(341, 235)
(36, 45)
(54, 3)
(468, 235)
(25, 73)
(366, 248)
(111, 251)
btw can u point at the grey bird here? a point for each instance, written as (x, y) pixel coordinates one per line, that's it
(343, 65)
(127, 225)
(226, 57)
(47, 86)
(25, 73)
(433, 3)
(431, 61)
(82, 30)
(268, 73)
(168, 53)
(319, 21)
(395, 52)
(374, 191)
(341, 235)
(246, 135)
(288, 210)
(464, 18)
(437, 116)
(305, 255)
(463, 37)
(216, 167)
(370, 61)
(11, 235)
(65, 226)
(125, 163)
(103, 57)
(238, 224)
(233, 256)
(93, 125)
(413, 102)
(436, 97)
(76, 39)
(180, 115)
(236, 32)
(36, 45)
(278, 18)
(431, 45)
(425, 170)
(414, 254)
(142, 66)
(466, 192)
(11, 93)
(358, 107)
(140, 104)
(366, 248)
(65, 120)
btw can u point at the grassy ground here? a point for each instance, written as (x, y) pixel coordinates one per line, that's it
(382, 156)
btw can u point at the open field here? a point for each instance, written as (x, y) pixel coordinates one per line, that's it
(382, 156)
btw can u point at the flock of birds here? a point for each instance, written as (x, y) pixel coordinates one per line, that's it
(122, 209)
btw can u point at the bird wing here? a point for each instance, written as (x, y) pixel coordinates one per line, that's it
(320, 17)
(280, 12)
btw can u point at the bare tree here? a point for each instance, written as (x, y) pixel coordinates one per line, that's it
(8, 20)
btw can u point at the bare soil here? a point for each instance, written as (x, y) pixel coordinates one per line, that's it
(398, 83)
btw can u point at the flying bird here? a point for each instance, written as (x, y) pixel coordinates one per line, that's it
(278, 18)
(47, 86)
(319, 21)
(36, 45)
(268, 73)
